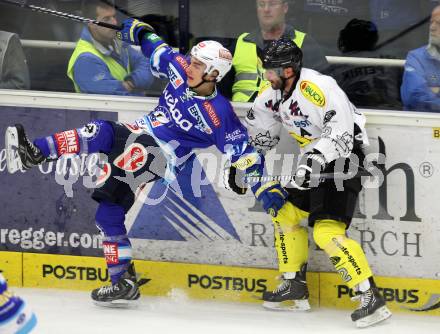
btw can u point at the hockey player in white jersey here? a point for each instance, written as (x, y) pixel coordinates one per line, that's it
(317, 113)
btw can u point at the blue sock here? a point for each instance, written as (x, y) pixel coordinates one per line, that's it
(97, 136)
(110, 220)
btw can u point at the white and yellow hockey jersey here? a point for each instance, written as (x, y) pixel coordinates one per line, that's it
(318, 115)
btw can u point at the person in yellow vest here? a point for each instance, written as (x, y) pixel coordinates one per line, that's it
(246, 63)
(102, 64)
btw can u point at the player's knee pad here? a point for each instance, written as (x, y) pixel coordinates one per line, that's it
(325, 230)
(291, 239)
(346, 254)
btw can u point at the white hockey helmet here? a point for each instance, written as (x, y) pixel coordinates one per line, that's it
(215, 56)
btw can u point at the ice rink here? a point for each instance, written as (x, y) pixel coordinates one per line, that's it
(71, 312)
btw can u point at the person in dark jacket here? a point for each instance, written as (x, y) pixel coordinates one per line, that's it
(14, 73)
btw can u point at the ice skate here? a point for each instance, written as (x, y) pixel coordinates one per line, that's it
(290, 295)
(125, 293)
(372, 308)
(21, 154)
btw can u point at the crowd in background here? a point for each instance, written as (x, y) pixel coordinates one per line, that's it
(99, 64)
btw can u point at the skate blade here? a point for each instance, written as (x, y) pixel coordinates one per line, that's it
(288, 305)
(119, 303)
(13, 161)
(379, 315)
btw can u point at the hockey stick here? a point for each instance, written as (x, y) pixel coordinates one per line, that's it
(68, 16)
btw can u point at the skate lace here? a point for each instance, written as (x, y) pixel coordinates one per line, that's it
(283, 286)
(33, 148)
(365, 298)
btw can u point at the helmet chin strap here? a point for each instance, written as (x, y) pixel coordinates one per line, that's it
(201, 82)
(283, 81)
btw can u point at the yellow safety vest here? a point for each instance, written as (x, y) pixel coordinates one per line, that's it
(116, 69)
(249, 68)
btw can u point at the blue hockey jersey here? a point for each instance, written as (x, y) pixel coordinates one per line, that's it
(183, 120)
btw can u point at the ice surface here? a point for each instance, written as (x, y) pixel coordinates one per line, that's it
(68, 312)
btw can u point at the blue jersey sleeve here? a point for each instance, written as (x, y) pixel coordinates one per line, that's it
(164, 61)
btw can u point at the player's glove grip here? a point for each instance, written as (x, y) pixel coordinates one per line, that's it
(133, 31)
(272, 197)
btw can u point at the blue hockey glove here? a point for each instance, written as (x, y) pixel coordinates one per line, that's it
(310, 166)
(133, 31)
(272, 197)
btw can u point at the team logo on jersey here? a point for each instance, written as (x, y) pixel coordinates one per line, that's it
(264, 141)
(211, 113)
(272, 106)
(295, 110)
(175, 77)
(133, 158)
(159, 117)
(67, 142)
(312, 93)
(201, 122)
(89, 131)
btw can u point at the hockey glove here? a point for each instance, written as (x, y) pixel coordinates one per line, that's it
(272, 197)
(133, 31)
(236, 181)
(310, 166)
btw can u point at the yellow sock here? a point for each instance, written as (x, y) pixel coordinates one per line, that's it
(291, 239)
(345, 254)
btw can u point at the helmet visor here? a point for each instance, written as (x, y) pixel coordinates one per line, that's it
(273, 73)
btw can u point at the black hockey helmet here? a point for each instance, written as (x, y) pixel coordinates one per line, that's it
(358, 35)
(283, 53)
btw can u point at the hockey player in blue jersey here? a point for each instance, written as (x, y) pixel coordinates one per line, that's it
(15, 315)
(190, 114)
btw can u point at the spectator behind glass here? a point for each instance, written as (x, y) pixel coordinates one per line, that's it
(247, 67)
(14, 73)
(421, 79)
(366, 85)
(101, 64)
